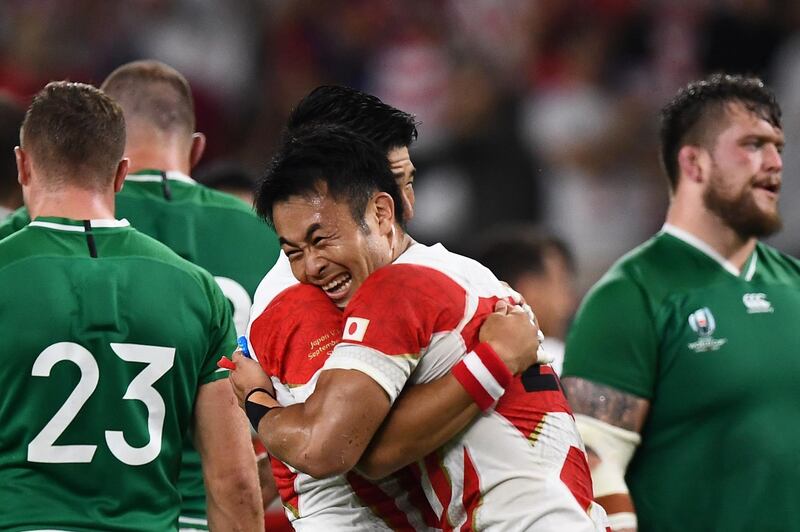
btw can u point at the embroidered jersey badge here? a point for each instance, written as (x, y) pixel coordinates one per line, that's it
(757, 303)
(703, 323)
(355, 329)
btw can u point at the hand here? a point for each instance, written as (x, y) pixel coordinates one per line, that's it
(247, 375)
(513, 336)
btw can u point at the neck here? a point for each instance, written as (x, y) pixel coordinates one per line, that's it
(156, 151)
(711, 229)
(400, 242)
(77, 204)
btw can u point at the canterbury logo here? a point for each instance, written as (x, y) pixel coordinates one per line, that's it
(355, 329)
(757, 303)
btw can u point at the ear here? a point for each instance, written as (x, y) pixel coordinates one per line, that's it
(122, 171)
(197, 150)
(384, 211)
(692, 163)
(23, 166)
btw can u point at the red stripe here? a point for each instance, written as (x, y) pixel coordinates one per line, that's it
(494, 364)
(410, 480)
(472, 491)
(575, 474)
(381, 504)
(284, 481)
(472, 385)
(441, 486)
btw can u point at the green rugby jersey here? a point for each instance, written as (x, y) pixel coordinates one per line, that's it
(717, 354)
(211, 229)
(107, 337)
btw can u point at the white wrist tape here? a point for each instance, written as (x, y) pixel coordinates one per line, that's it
(622, 521)
(614, 446)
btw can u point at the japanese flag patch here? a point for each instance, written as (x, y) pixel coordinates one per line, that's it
(355, 329)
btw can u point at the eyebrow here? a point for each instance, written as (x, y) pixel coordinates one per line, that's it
(310, 231)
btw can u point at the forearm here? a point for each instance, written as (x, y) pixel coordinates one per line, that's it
(423, 419)
(229, 464)
(327, 434)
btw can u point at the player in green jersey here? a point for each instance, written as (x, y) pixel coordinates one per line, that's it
(161, 200)
(682, 363)
(111, 344)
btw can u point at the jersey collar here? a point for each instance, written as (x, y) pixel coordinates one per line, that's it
(77, 226)
(150, 175)
(749, 266)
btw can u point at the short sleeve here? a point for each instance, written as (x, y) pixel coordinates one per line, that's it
(613, 339)
(391, 320)
(221, 334)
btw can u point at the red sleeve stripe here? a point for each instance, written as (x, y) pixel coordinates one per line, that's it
(483, 375)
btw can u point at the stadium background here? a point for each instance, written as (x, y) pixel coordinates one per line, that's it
(539, 111)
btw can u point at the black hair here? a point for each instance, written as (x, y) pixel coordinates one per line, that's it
(352, 166)
(363, 113)
(510, 251)
(700, 105)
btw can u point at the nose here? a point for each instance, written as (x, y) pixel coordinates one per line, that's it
(314, 265)
(773, 161)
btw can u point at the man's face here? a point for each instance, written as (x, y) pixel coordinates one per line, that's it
(326, 247)
(745, 177)
(551, 294)
(404, 173)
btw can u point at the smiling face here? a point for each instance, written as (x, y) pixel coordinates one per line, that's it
(327, 247)
(745, 176)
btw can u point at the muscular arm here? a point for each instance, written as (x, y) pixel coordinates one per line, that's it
(426, 416)
(423, 419)
(222, 438)
(615, 408)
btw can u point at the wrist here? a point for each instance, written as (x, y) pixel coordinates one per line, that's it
(483, 375)
(258, 402)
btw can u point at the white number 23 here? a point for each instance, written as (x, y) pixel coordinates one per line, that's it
(159, 360)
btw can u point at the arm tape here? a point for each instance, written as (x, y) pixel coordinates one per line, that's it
(614, 446)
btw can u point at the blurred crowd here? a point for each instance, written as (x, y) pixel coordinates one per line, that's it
(531, 111)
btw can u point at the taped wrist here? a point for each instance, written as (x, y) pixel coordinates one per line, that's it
(256, 411)
(614, 447)
(483, 375)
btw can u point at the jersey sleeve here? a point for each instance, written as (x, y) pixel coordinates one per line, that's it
(221, 333)
(15, 221)
(613, 339)
(389, 323)
(295, 333)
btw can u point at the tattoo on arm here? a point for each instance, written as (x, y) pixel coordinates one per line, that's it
(605, 403)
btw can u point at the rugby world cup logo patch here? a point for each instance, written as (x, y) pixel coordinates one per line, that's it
(703, 323)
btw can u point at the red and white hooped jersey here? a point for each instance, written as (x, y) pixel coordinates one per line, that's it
(291, 338)
(519, 466)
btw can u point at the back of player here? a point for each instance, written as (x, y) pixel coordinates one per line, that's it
(113, 335)
(519, 466)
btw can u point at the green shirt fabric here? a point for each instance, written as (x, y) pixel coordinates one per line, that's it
(717, 354)
(209, 228)
(108, 335)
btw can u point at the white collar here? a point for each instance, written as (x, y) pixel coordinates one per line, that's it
(96, 223)
(172, 175)
(700, 245)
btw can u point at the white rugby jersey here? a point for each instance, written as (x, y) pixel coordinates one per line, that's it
(291, 338)
(521, 465)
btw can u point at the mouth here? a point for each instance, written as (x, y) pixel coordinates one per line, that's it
(338, 287)
(773, 188)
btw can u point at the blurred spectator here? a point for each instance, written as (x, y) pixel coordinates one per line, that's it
(11, 115)
(541, 268)
(230, 177)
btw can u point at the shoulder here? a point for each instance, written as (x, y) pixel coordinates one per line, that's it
(15, 221)
(410, 283)
(778, 263)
